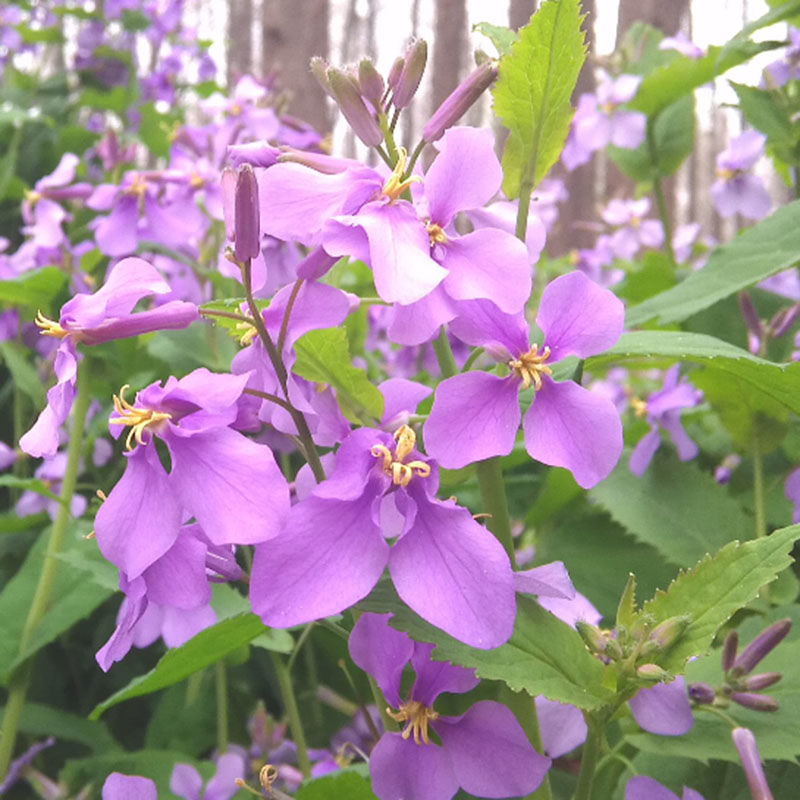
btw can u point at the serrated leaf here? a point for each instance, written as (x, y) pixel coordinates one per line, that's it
(324, 356)
(626, 611)
(765, 249)
(716, 588)
(344, 783)
(781, 382)
(202, 650)
(36, 290)
(533, 90)
(544, 655)
(766, 111)
(500, 36)
(675, 507)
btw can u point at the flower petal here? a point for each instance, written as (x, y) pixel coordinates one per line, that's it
(401, 769)
(663, 709)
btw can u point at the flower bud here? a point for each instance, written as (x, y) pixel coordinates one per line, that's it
(757, 702)
(652, 672)
(395, 72)
(456, 105)
(370, 82)
(667, 633)
(761, 681)
(745, 743)
(784, 320)
(355, 111)
(414, 66)
(592, 636)
(750, 314)
(319, 69)
(702, 693)
(247, 216)
(729, 648)
(764, 643)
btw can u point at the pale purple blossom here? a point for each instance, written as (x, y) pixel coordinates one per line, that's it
(128, 787)
(642, 787)
(631, 230)
(681, 43)
(186, 781)
(736, 190)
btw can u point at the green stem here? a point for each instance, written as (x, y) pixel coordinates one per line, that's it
(288, 313)
(221, 682)
(493, 492)
(414, 156)
(524, 708)
(18, 685)
(523, 208)
(658, 191)
(444, 354)
(611, 768)
(473, 357)
(292, 714)
(589, 759)
(758, 488)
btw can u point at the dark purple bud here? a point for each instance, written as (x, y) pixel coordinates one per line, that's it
(702, 693)
(745, 744)
(751, 318)
(757, 702)
(764, 643)
(729, 650)
(395, 72)
(356, 113)
(784, 320)
(370, 81)
(756, 683)
(17, 768)
(722, 474)
(408, 82)
(247, 216)
(456, 105)
(319, 69)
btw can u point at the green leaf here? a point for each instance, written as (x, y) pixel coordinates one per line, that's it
(345, 783)
(116, 99)
(75, 595)
(676, 507)
(781, 382)
(156, 128)
(667, 147)
(769, 112)
(544, 655)
(500, 36)
(29, 485)
(22, 371)
(765, 249)
(716, 588)
(324, 356)
(42, 720)
(204, 649)
(36, 289)
(533, 90)
(783, 11)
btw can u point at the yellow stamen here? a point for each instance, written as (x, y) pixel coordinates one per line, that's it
(531, 366)
(248, 332)
(33, 197)
(639, 406)
(417, 716)
(138, 188)
(197, 181)
(393, 464)
(49, 327)
(139, 419)
(436, 234)
(395, 186)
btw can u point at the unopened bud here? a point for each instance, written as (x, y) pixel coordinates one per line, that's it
(592, 636)
(370, 81)
(395, 72)
(702, 693)
(652, 672)
(457, 104)
(750, 314)
(745, 743)
(764, 643)
(360, 118)
(413, 68)
(247, 216)
(784, 320)
(667, 633)
(319, 69)
(758, 702)
(729, 648)
(756, 683)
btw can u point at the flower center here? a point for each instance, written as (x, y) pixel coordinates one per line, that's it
(531, 366)
(396, 185)
(139, 419)
(639, 406)
(393, 464)
(138, 187)
(727, 174)
(417, 717)
(436, 234)
(49, 327)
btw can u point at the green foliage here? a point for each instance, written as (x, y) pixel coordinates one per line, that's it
(206, 648)
(34, 290)
(766, 249)
(715, 589)
(501, 37)
(345, 783)
(22, 372)
(767, 111)
(533, 90)
(677, 508)
(324, 356)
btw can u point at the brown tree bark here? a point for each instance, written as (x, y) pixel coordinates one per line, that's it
(240, 38)
(292, 33)
(665, 15)
(519, 12)
(450, 49)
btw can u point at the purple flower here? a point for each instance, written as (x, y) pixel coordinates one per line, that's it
(230, 484)
(682, 44)
(51, 472)
(484, 751)
(94, 319)
(792, 491)
(476, 414)
(187, 783)
(663, 709)
(664, 409)
(780, 72)
(333, 549)
(641, 787)
(736, 191)
(745, 743)
(128, 787)
(599, 120)
(19, 766)
(633, 231)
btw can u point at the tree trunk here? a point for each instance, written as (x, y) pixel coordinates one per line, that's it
(240, 39)
(450, 49)
(665, 15)
(519, 12)
(292, 34)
